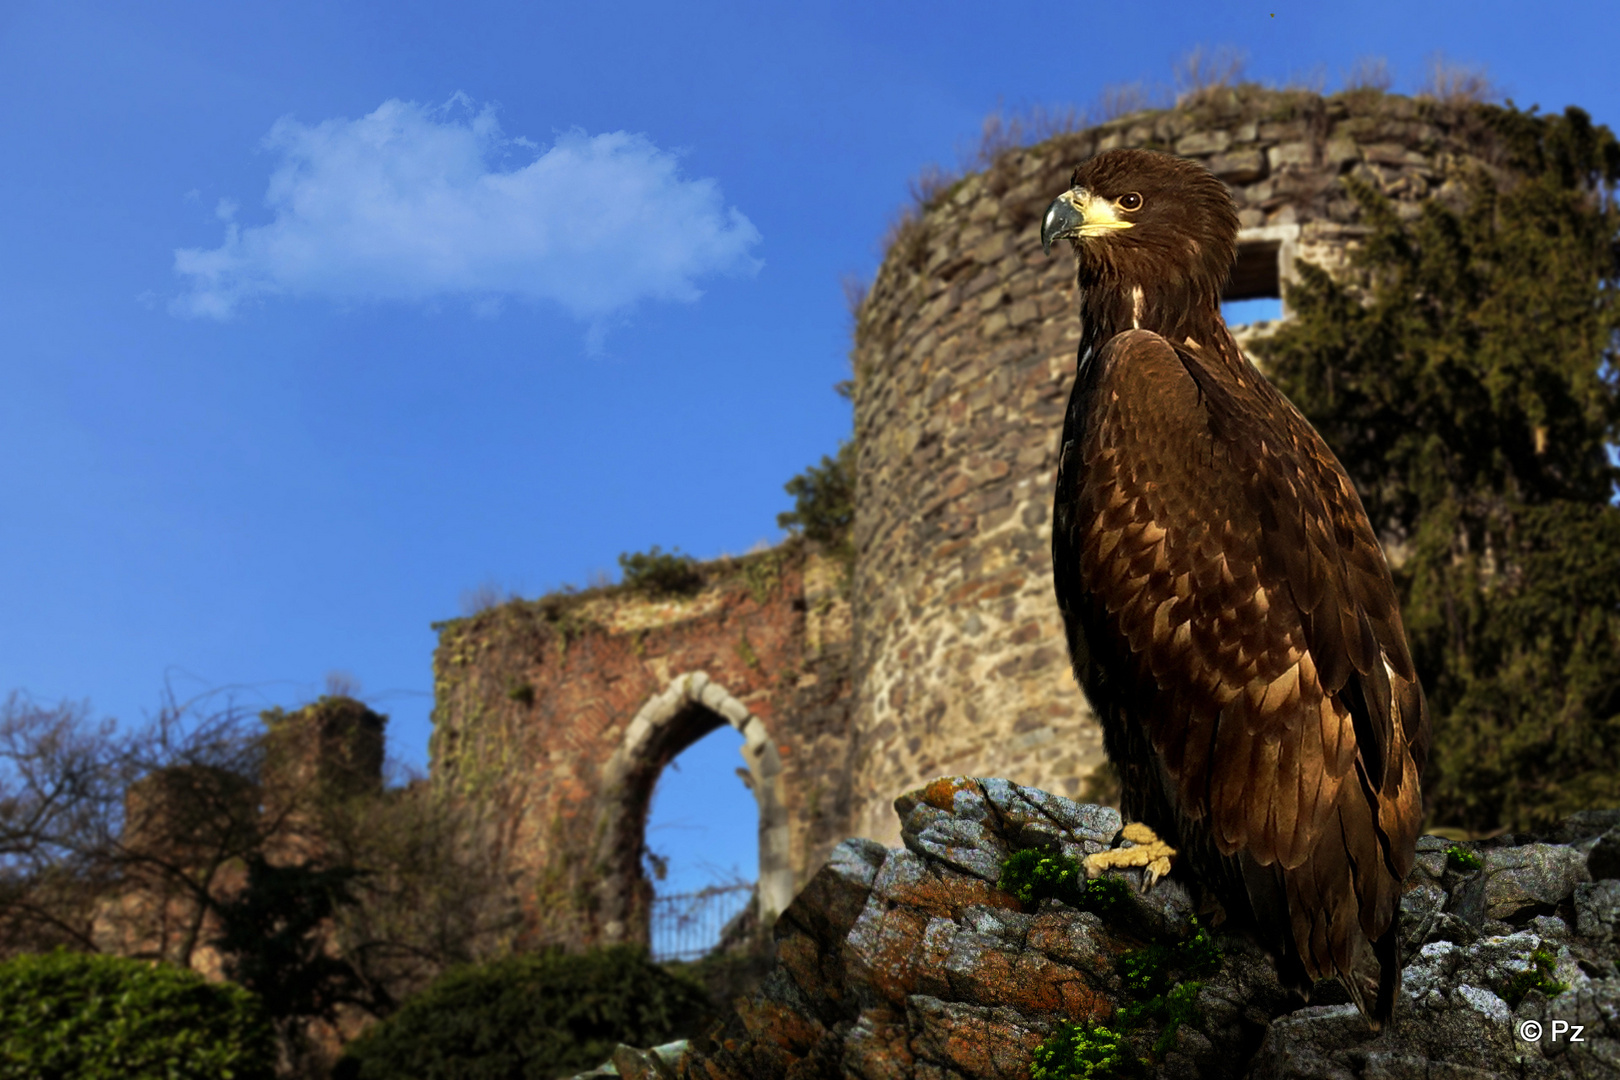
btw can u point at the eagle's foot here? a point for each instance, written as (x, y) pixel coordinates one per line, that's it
(1150, 853)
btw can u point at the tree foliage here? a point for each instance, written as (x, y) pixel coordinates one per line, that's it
(533, 1017)
(68, 1016)
(824, 501)
(1464, 370)
(272, 934)
(660, 573)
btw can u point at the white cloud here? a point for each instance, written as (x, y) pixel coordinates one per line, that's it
(413, 203)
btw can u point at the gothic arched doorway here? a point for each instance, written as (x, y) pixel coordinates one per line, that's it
(691, 707)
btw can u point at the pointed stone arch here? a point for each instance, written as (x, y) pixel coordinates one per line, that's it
(691, 707)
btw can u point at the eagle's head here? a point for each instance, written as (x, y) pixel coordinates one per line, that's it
(1156, 236)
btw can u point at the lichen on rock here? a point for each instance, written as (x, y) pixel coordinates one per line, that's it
(939, 961)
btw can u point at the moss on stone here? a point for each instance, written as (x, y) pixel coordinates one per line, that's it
(1539, 976)
(1461, 858)
(1089, 1051)
(1033, 875)
(1162, 979)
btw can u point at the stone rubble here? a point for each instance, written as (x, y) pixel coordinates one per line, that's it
(911, 964)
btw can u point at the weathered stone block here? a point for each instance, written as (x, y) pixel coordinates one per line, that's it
(1239, 166)
(1200, 143)
(1536, 875)
(1597, 909)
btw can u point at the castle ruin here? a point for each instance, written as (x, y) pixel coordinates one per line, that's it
(940, 651)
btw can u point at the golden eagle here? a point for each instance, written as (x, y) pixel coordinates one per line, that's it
(1228, 608)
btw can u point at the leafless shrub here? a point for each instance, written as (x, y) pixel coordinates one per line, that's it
(855, 291)
(484, 596)
(1456, 84)
(1208, 68)
(425, 902)
(1003, 131)
(342, 684)
(1369, 73)
(131, 841)
(88, 811)
(1123, 99)
(1312, 80)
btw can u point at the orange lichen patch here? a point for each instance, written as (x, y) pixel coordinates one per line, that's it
(774, 1023)
(947, 896)
(941, 793)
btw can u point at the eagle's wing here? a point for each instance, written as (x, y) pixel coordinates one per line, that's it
(1219, 537)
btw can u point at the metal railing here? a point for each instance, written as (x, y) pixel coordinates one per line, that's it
(686, 926)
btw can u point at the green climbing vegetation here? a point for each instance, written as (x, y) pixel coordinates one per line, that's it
(1466, 370)
(539, 1016)
(73, 1016)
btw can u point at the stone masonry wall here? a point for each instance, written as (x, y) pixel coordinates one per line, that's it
(965, 349)
(554, 718)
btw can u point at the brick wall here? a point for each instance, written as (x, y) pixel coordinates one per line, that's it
(555, 718)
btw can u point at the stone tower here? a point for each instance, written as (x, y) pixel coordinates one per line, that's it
(943, 652)
(964, 354)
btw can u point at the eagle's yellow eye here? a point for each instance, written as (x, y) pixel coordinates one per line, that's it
(1131, 201)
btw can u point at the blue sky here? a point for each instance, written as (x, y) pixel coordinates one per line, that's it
(317, 316)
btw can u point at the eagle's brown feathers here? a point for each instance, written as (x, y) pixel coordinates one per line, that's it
(1229, 610)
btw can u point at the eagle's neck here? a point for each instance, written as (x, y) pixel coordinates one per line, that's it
(1176, 307)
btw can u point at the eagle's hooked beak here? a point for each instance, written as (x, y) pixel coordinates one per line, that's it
(1077, 212)
(1063, 218)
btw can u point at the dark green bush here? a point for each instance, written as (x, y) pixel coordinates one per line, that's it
(534, 1017)
(71, 1016)
(824, 501)
(1465, 372)
(661, 573)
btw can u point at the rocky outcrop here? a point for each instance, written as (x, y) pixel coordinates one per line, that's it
(921, 964)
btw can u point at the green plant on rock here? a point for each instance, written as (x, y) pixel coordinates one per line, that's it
(761, 575)
(658, 573)
(71, 1016)
(1150, 974)
(1160, 979)
(1085, 1052)
(1149, 970)
(1538, 976)
(1178, 1007)
(1033, 875)
(1461, 858)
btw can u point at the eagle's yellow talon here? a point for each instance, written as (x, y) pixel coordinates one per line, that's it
(1150, 853)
